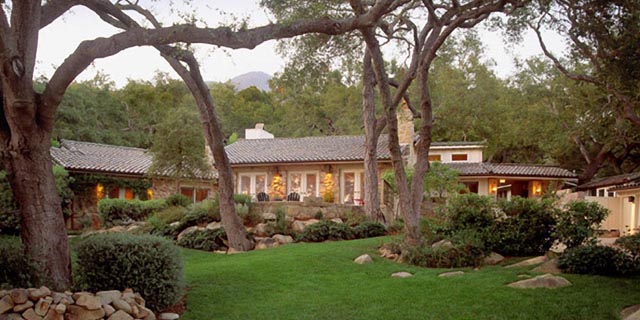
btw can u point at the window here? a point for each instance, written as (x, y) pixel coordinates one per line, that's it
(435, 157)
(353, 187)
(121, 193)
(195, 194)
(601, 193)
(304, 183)
(252, 183)
(471, 186)
(459, 157)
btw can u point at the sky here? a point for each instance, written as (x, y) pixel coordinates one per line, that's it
(60, 39)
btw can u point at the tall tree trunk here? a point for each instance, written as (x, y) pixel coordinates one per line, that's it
(372, 135)
(30, 173)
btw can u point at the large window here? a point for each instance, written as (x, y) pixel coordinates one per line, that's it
(195, 194)
(435, 157)
(306, 184)
(252, 183)
(120, 193)
(353, 187)
(459, 157)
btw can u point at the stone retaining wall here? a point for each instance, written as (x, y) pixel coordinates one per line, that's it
(43, 304)
(309, 209)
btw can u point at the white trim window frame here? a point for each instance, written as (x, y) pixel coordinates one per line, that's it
(358, 186)
(253, 179)
(304, 183)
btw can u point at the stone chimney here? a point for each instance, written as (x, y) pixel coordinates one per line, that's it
(257, 133)
(405, 125)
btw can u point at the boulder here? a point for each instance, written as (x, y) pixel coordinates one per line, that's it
(543, 281)
(267, 243)
(492, 259)
(42, 306)
(528, 262)
(22, 307)
(631, 313)
(117, 229)
(36, 294)
(62, 308)
(401, 275)
(120, 304)
(187, 231)
(89, 302)
(214, 225)
(168, 316)
(19, 296)
(263, 230)
(108, 310)
(6, 304)
(451, 274)
(282, 239)
(120, 315)
(30, 314)
(363, 259)
(53, 315)
(298, 226)
(269, 216)
(12, 316)
(443, 244)
(550, 266)
(337, 220)
(106, 297)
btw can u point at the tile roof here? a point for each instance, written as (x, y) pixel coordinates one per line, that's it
(307, 149)
(511, 169)
(610, 181)
(96, 157)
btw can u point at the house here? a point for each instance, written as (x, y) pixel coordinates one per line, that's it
(621, 195)
(333, 167)
(107, 171)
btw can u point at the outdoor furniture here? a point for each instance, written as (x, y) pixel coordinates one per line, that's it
(262, 197)
(293, 196)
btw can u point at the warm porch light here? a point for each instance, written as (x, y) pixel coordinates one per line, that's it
(493, 186)
(537, 188)
(149, 194)
(99, 191)
(503, 180)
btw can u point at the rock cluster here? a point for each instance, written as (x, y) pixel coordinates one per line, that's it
(43, 304)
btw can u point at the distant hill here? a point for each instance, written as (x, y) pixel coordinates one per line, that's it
(256, 78)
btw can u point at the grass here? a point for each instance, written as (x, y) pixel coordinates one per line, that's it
(320, 281)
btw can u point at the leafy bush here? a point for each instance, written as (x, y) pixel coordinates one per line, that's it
(369, 229)
(352, 218)
(15, 268)
(578, 222)
(118, 211)
(160, 222)
(243, 199)
(326, 230)
(631, 245)
(170, 214)
(178, 200)
(149, 265)
(200, 213)
(207, 240)
(460, 255)
(396, 226)
(470, 211)
(433, 229)
(595, 259)
(526, 230)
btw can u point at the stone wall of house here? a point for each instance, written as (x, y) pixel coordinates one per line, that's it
(163, 188)
(42, 303)
(311, 208)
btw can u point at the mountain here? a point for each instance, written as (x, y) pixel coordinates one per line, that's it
(255, 78)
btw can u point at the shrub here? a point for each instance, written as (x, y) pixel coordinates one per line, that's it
(578, 222)
(465, 255)
(200, 213)
(178, 200)
(396, 226)
(149, 265)
(631, 245)
(527, 228)
(470, 211)
(15, 268)
(159, 222)
(170, 214)
(118, 211)
(595, 259)
(353, 218)
(326, 230)
(207, 240)
(244, 199)
(369, 229)
(433, 229)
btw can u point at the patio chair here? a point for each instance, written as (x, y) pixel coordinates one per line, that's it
(293, 196)
(262, 197)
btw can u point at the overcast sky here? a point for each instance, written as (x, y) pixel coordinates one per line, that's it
(60, 38)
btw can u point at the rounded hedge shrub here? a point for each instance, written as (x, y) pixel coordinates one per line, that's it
(118, 211)
(369, 229)
(594, 259)
(458, 256)
(326, 230)
(579, 221)
(207, 240)
(178, 200)
(149, 265)
(16, 269)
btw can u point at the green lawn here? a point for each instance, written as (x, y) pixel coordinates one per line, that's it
(320, 281)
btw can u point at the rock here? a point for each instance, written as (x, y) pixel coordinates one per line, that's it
(558, 248)
(12, 316)
(30, 314)
(267, 243)
(78, 294)
(263, 230)
(42, 306)
(120, 315)
(19, 296)
(451, 274)
(89, 302)
(138, 299)
(108, 310)
(299, 225)
(53, 315)
(62, 308)
(57, 297)
(444, 244)
(528, 262)
(401, 275)
(3, 293)
(120, 304)
(168, 316)
(133, 227)
(187, 231)
(36, 294)
(117, 229)
(269, 216)
(631, 313)
(337, 220)
(551, 266)
(143, 313)
(214, 225)
(174, 224)
(22, 307)
(6, 304)
(492, 259)
(365, 258)
(388, 254)
(543, 281)
(106, 297)
(79, 313)
(282, 239)
(234, 251)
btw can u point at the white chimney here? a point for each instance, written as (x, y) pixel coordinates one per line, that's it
(257, 133)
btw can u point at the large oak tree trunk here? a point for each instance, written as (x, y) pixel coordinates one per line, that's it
(30, 173)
